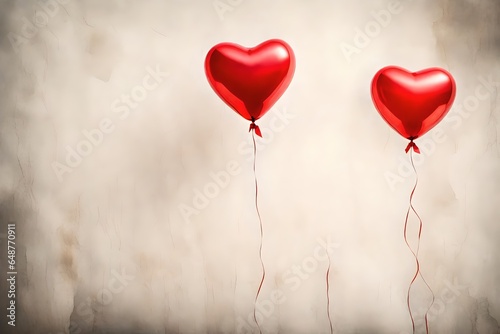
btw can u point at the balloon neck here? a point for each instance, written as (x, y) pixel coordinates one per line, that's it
(255, 127)
(412, 145)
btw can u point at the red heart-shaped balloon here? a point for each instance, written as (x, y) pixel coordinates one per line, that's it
(412, 103)
(250, 80)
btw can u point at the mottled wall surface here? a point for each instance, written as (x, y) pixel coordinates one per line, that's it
(111, 139)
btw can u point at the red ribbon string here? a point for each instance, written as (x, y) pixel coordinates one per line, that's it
(411, 144)
(256, 128)
(257, 131)
(415, 253)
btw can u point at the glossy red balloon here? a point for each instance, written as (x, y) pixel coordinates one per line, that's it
(412, 103)
(250, 80)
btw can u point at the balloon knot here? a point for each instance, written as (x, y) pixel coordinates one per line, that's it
(412, 144)
(256, 128)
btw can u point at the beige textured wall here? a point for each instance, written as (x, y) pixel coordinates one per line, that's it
(102, 246)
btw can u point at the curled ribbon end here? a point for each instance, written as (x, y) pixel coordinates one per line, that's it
(412, 145)
(256, 128)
